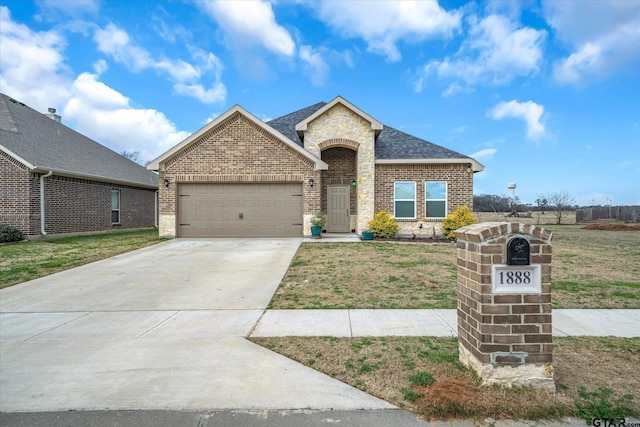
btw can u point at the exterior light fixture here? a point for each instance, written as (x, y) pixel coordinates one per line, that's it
(311, 182)
(166, 182)
(353, 183)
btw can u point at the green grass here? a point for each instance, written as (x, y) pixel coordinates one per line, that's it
(590, 269)
(595, 376)
(32, 259)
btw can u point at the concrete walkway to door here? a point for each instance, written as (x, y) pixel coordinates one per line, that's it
(159, 328)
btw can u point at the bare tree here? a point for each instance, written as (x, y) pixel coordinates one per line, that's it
(133, 156)
(558, 203)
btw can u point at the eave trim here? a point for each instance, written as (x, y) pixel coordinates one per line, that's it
(475, 165)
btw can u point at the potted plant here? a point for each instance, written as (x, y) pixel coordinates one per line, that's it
(317, 224)
(368, 234)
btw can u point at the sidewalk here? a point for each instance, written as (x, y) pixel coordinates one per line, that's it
(441, 323)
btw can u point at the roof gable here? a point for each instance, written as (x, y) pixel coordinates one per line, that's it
(156, 164)
(303, 124)
(43, 144)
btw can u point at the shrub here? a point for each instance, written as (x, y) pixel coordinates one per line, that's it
(9, 233)
(319, 219)
(459, 218)
(383, 225)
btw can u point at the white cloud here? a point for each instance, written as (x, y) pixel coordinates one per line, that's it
(315, 65)
(86, 104)
(104, 114)
(604, 37)
(383, 24)
(208, 96)
(116, 43)
(29, 56)
(73, 8)
(495, 51)
(484, 154)
(249, 23)
(528, 111)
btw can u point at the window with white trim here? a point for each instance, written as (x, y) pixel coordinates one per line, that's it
(404, 199)
(435, 196)
(115, 206)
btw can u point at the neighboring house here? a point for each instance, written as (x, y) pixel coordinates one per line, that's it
(54, 180)
(241, 177)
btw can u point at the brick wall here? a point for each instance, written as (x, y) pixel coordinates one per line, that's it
(17, 205)
(71, 205)
(501, 333)
(76, 205)
(342, 170)
(459, 185)
(237, 150)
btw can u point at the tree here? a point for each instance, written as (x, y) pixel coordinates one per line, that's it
(558, 202)
(134, 156)
(491, 203)
(542, 204)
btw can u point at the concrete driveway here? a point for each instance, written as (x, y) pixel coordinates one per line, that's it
(159, 328)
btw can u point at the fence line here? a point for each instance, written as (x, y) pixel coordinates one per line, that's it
(618, 213)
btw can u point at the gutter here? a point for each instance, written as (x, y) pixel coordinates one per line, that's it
(42, 221)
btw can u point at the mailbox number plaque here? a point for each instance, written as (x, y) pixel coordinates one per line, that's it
(516, 279)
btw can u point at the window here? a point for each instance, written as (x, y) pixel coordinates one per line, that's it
(115, 206)
(435, 195)
(404, 197)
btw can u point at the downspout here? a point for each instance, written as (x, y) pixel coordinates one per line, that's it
(155, 210)
(42, 221)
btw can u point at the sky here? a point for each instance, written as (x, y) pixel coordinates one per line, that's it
(545, 94)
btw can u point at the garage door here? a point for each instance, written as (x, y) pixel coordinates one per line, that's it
(240, 210)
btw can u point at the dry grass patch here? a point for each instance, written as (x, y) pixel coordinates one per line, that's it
(371, 275)
(28, 260)
(595, 268)
(591, 269)
(423, 374)
(603, 366)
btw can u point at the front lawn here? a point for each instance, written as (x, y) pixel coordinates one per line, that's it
(24, 261)
(595, 377)
(591, 269)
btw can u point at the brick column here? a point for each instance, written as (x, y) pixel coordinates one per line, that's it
(504, 331)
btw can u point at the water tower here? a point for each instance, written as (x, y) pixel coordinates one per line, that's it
(512, 191)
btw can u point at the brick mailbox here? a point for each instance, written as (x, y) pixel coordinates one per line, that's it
(504, 303)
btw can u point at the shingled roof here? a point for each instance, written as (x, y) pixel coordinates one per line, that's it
(43, 144)
(391, 143)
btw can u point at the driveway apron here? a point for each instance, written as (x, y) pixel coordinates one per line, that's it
(159, 328)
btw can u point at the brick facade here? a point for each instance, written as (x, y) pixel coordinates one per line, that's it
(236, 150)
(506, 338)
(71, 205)
(459, 191)
(19, 201)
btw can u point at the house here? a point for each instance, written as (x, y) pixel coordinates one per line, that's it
(54, 180)
(241, 177)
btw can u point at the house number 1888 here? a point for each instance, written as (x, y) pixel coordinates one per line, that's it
(514, 277)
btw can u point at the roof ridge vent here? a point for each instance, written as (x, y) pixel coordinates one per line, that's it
(53, 116)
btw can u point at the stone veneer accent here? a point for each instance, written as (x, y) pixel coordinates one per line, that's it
(236, 150)
(341, 123)
(459, 191)
(505, 338)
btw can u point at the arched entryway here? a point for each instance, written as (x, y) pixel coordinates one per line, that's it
(339, 192)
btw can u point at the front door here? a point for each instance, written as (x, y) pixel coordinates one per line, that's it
(338, 197)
